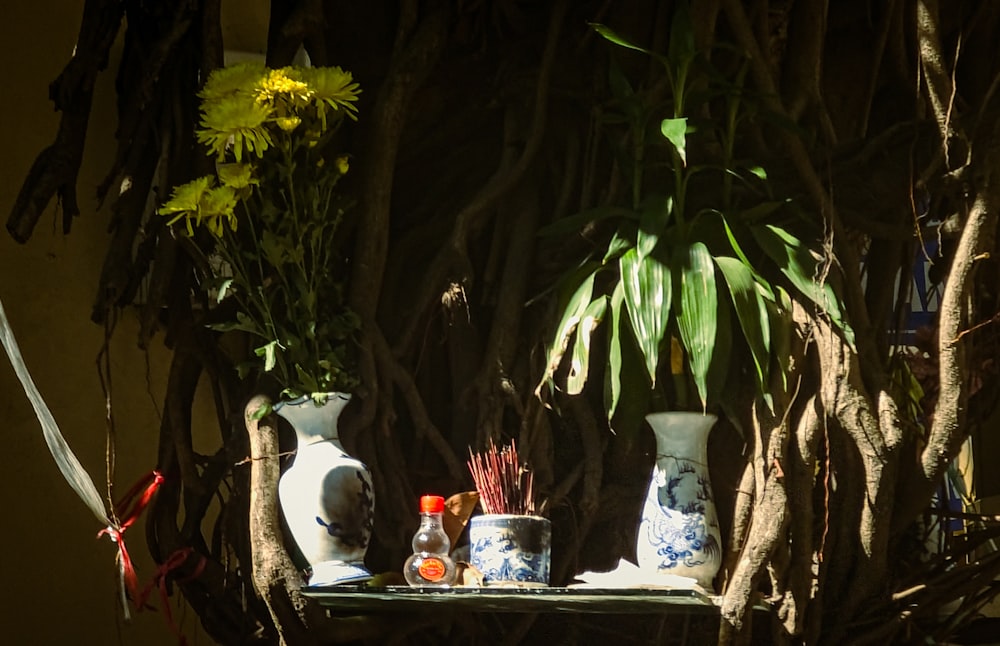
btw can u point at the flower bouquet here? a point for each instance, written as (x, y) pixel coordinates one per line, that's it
(271, 258)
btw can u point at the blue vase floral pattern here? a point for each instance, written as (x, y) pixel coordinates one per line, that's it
(510, 549)
(679, 530)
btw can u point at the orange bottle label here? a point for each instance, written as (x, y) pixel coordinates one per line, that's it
(431, 569)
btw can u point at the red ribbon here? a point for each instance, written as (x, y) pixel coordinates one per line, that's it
(128, 510)
(131, 505)
(159, 581)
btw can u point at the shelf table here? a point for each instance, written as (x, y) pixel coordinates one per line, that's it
(360, 598)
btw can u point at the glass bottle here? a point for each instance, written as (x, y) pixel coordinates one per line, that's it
(430, 565)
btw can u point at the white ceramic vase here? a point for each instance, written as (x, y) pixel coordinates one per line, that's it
(326, 495)
(679, 530)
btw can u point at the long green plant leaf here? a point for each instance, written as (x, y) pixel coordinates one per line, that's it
(613, 36)
(579, 368)
(573, 312)
(654, 216)
(681, 49)
(675, 132)
(627, 389)
(800, 264)
(613, 374)
(696, 310)
(647, 289)
(751, 311)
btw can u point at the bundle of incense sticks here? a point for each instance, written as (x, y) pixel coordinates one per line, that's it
(504, 485)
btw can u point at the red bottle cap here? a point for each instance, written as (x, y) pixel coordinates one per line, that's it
(431, 504)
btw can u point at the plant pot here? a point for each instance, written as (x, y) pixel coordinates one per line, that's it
(511, 550)
(679, 529)
(326, 495)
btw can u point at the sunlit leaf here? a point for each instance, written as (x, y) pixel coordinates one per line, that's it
(654, 216)
(674, 130)
(623, 240)
(613, 36)
(612, 376)
(580, 362)
(224, 289)
(738, 250)
(573, 312)
(696, 309)
(801, 265)
(268, 351)
(647, 290)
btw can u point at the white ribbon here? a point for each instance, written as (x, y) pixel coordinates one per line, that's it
(68, 464)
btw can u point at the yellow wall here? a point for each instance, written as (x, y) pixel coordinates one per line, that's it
(58, 582)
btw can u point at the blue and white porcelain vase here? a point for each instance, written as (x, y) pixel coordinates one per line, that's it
(511, 550)
(326, 495)
(679, 530)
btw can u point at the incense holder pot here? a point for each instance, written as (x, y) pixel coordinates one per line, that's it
(679, 530)
(511, 550)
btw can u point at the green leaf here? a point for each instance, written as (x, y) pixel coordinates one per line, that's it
(697, 310)
(751, 311)
(738, 250)
(223, 289)
(759, 211)
(718, 369)
(580, 363)
(576, 222)
(653, 221)
(681, 49)
(273, 248)
(262, 411)
(613, 375)
(611, 35)
(647, 287)
(627, 389)
(268, 351)
(779, 315)
(307, 380)
(800, 264)
(573, 312)
(625, 238)
(674, 130)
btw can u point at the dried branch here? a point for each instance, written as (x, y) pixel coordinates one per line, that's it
(413, 59)
(56, 167)
(948, 428)
(455, 250)
(423, 424)
(932, 63)
(768, 528)
(298, 620)
(801, 482)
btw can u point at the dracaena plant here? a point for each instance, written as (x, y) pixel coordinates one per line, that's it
(685, 276)
(271, 257)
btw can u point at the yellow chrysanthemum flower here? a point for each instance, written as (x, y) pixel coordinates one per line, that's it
(233, 79)
(334, 90)
(237, 175)
(332, 87)
(238, 122)
(218, 208)
(185, 200)
(283, 86)
(288, 124)
(342, 164)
